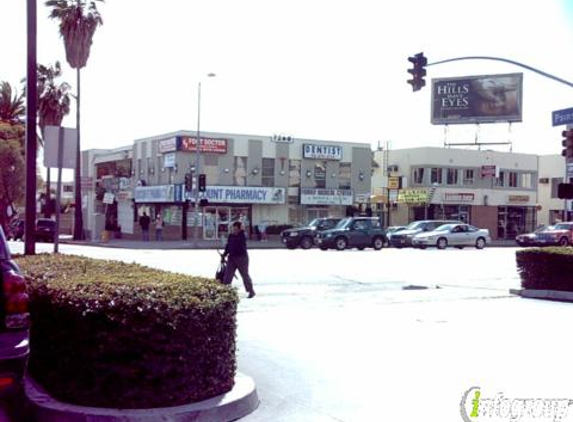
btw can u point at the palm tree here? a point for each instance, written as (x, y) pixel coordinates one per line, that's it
(53, 105)
(12, 108)
(78, 20)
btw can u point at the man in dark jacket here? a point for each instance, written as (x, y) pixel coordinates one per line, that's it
(144, 221)
(236, 249)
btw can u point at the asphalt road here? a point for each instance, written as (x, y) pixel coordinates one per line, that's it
(383, 335)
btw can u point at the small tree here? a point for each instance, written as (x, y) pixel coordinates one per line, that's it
(12, 177)
(12, 107)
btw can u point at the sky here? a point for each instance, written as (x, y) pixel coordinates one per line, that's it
(313, 69)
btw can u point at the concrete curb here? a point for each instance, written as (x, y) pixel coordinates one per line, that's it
(235, 404)
(543, 294)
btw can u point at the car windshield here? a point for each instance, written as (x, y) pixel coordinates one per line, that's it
(415, 225)
(342, 224)
(314, 223)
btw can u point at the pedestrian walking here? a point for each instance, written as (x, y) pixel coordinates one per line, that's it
(238, 258)
(263, 230)
(144, 222)
(158, 227)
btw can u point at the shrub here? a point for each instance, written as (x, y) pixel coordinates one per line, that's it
(547, 268)
(112, 334)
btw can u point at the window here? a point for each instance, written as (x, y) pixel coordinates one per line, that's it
(294, 174)
(344, 176)
(240, 171)
(526, 179)
(468, 177)
(512, 179)
(500, 181)
(419, 176)
(268, 172)
(436, 175)
(211, 169)
(320, 174)
(452, 177)
(554, 183)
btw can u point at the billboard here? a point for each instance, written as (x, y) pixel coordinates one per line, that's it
(477, 99)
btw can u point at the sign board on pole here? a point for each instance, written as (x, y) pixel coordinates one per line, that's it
(108, 198)
(51, 142)
(562, 117)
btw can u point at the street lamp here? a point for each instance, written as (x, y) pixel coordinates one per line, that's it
(197, 157)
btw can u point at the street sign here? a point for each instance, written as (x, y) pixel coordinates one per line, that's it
(562, 117)
(51, 147)
(394, 182)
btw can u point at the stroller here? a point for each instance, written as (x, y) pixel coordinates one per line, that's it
(220, 273)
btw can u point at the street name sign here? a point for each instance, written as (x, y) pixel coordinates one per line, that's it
(562, 117)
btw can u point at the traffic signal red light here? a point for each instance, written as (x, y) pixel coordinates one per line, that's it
(565, 191)
(418, 72)
(567, 143)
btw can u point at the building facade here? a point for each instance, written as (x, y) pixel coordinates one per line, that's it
(551, 209)
(258, 180)
(490, 189)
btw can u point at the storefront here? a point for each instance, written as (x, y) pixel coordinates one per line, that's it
(317, 203)
(514, 220)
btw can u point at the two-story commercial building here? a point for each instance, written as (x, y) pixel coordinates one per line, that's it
(491, 189)
(254, 179)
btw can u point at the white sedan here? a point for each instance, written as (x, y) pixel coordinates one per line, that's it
(458, 235)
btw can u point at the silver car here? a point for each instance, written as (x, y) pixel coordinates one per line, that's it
(458, 235)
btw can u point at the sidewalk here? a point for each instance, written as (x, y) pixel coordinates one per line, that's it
(274, 242)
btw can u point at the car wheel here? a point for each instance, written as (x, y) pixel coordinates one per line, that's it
(563, 242)
(378, 243)
(306, 242)
(442, 243)
(341, 243)
(480, 243)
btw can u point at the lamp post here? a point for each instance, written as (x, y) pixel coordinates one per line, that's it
(197, 162)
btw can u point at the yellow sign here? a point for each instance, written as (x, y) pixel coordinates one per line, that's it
(413, 196)
(394, 182)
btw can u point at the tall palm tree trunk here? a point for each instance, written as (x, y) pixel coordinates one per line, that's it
(78, 217)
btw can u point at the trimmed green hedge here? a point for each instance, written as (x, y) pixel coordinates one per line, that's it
(111, 334)
(546, 268)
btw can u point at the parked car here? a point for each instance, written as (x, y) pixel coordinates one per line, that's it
(531, 239)
(394, 229)
(403, 238)
(304, 236)
(354, 232)
(45, 229)
(457, 234)
(14, 323)
(561, 234)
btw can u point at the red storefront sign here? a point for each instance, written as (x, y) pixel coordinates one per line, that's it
(207, 145)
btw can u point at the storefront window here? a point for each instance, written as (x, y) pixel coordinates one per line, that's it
(344, 176)
(452, 177)
(240, 172)
(436, 175)
(419, 176)
(268, 172)
(468, 177)
(211, 169)
(512, 183)
(320, 174)
(500, 181)
(294, 173)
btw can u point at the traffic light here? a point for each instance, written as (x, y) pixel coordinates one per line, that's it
(202, 182)
(565, 191)
(567, 143)
(188, 182)
(418, 71)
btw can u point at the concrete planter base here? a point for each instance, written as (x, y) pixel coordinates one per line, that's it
(235, 404)
(543, 294)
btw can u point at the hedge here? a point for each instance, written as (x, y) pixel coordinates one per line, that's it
(111, 334)
(547, 268)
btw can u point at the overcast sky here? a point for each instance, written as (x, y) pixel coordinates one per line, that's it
(328, 69)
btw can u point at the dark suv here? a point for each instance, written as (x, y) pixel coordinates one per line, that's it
(404, 237)
(14, 323)
(354, 232)
(45, 229)
(304, 236)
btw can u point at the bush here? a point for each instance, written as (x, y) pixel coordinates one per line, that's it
(112, 334)
(546, 269)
